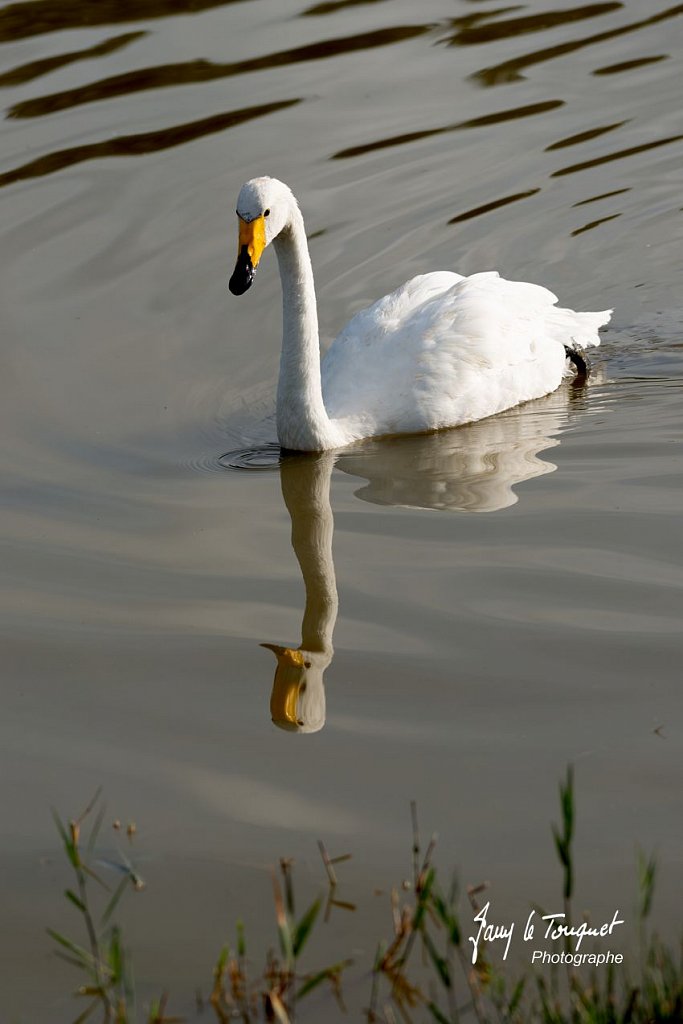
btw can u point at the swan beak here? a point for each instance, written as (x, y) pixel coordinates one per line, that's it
(252, 242)
(285, 694)
(290, 655)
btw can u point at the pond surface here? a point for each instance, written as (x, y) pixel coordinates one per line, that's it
(501, 600)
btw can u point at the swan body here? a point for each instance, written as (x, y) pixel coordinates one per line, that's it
(440, 351)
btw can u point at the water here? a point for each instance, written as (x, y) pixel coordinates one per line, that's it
(509, 595)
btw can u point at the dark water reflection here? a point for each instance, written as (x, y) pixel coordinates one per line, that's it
(509, 595)
(494, 204)
(37, 17)
(620, 154)
(194, 72)
(334, 6)
(469, 34)
(139, 145)
(499, 117)
(592, 133)
(595, 224)
(630, 65)
(603, 195)
(38, 68)
(511, 70)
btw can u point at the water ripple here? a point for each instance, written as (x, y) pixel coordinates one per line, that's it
(139, 145)
(619, 155)
(498, 117)
(603, 195)
(195, 72)
(591, 133)
(630, 65)
(489, 33)
(332, 6)
(36, 17)
(37, 68)
(510, 70)
(594, 224)
(494, 205)
(258, 457)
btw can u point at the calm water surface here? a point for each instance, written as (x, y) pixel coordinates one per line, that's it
(501, 600)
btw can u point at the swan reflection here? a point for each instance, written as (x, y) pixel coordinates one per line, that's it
(469, 469)
(472, 468)
(297, 701)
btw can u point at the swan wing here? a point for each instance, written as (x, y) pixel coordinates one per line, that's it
(445, 349)
(374, 355)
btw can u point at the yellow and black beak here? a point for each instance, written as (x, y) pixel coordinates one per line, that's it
(252, 242)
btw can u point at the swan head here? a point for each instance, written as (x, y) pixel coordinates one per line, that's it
(264, 208)
(297, 701)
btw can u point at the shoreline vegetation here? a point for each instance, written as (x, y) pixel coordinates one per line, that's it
(429, 969)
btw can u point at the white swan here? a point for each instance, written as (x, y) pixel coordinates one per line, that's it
(439, 351)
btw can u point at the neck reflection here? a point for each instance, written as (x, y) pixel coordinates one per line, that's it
(297, 701)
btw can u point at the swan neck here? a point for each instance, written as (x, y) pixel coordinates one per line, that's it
(302, 422)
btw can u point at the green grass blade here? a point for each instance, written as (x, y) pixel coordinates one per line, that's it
(317, 979)
(222, 959)
(88, 1012)
(286, 945)
(60, 826)
(303, 928)
(647, 872)
(115, 955)
(440, 964)
(437, 1014)
(423, 897)
(516, 996)
(69, 847)
(95, 830)
(568, 804)
(114, 901)
(312, 983)
(73, 898)
(284, 927)
(440, 906)
(85, 958)
(128, 982)
(241, 940)
(93, 875)
(72, 960)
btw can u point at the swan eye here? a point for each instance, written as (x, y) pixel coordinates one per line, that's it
(266, 213)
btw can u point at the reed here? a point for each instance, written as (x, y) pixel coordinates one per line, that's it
(423, 971)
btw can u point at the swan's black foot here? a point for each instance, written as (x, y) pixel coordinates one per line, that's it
(578, 357)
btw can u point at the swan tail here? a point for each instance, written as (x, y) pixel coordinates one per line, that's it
(583, 328)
